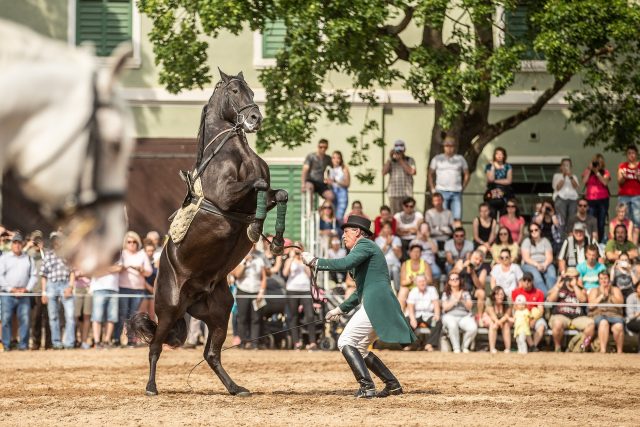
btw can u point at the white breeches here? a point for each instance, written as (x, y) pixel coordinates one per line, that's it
(358, 333)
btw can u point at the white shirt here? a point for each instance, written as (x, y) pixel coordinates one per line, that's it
(417, 218)
(567, 192)
(423, 302)
(298, 280)
(507, 280)
(389, 255)
(252, 275)
(108, 282)
(449, 171)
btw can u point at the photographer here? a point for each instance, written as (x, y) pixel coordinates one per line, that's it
(401, 169)
(550, 223)
(623, 275)
(298, 288)
(473, 276)
(565, 190)
(596, 181)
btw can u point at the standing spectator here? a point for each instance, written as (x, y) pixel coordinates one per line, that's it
(429, 250)
(457, 248)
(313, 172)
(83, 304)
(39, 315)
(147, 305)
(565, 190)
(590, 268)
(17, 275)
(551, 225)
(408, 222)
(499, 175)
(356, 209)
(339, 179)
(629, 185)
(623, 275)
(104, 313)
(423, 306)
(413, 267)
(153, 237)
(134, 267)
(449, 176)
(505, 241)
(385, 215)
(506, 274)
(596, 179)
(537, 259)
(440, 220)
(251, 279)
(582, 216)
(484, 229)
(513, 222)
(456, 306)
(621, 218)
(607, 317)
(521, 320)
(498, 316)
(298, 288)
(391, 247)
(57, 290)
(473, 275)
(401, 169)
(5, 241)
(567, 313)
(619, 244)
(633, 313)
(335, 252)
(573, 250)
(535, 301)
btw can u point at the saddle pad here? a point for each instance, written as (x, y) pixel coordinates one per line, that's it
(182, 221)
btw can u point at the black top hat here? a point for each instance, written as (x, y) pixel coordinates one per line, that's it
(358, 222)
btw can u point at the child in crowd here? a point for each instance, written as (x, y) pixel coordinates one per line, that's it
(522, 316)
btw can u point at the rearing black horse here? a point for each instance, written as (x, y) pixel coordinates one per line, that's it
(192, 276)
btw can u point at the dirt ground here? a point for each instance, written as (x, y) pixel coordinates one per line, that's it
(99, 387)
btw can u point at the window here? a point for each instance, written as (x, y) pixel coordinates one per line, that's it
(106, 23)
(287, 177)
(267, 44)
(532, 181)
(520, 30)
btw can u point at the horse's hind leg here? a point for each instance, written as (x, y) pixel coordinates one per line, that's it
(214, 311)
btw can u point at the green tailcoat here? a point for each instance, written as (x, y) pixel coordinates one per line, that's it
(368, 267)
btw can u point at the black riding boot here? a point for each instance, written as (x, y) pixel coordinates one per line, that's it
(391, 384)
(367, 388)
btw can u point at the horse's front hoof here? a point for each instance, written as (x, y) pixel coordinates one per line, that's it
(277, 246)
(151, 392)
(260, 185)
(244, 394)
(253, 235)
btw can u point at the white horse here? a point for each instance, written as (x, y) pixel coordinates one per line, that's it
(66, 136)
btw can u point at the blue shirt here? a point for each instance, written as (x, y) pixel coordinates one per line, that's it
(589, 275)
(17, 272)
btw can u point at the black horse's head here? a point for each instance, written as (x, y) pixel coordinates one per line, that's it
(233, 101)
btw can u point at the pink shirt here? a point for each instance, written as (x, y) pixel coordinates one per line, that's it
(513, 227)
(131, 278)
(596, 190)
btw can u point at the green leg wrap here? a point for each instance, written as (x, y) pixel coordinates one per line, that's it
(281, 215)
(261, 208)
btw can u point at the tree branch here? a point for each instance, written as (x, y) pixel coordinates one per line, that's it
(394, 30)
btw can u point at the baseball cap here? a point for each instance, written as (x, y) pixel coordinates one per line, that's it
(571, 272)
(415, 244)
(17, 237)
(399, 145)
(520, 299)
(579, 226)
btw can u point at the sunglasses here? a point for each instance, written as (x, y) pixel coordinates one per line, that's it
(131, 241)
(454, 278)
(534, 230)
(511, 206)
(504, 258)
(503, 233)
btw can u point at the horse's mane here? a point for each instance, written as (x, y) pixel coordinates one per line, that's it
(203, 119)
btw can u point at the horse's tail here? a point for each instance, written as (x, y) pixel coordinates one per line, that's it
(144, 328)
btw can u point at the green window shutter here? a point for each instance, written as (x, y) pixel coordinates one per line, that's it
(519, 29)
(106, 23)
(273, 38)
(287, 177)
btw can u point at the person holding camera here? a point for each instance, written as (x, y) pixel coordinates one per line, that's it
(298, 286)
(565, 190)
(401, 169)
(550, 223)
(596, 180)
(629, 184)
(623, 275)
(449, 176)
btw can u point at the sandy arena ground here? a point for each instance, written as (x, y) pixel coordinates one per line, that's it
(100, 387)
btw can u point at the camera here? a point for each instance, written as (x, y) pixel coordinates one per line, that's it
(595, 164)
(547, 210)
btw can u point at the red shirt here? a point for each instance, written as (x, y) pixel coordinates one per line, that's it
(631, 185)
(534, 296)
(377, 225)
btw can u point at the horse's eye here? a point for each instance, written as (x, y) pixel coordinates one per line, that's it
(234, 90)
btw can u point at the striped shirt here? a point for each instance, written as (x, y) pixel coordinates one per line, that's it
(54, 268)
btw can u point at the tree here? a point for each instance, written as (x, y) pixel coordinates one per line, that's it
(458, 62)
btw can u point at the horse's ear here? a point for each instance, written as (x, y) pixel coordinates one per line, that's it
(117, 61)
(223, 76)
(241, 76)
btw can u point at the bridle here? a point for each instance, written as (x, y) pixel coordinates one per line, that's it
(240, 117)
(88, 193)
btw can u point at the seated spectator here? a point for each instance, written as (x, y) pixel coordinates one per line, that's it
(607, 318)
(298, 287)
(499, 175)
(385, 215)
(550, 223)
(457, 248)
(391, 247)
(619, 244)
(327, 222)
(104, 312)
(429, 250)
(504, 241)
(407, 222)
(573, 248)
(473, 275)
(498, 316)
(413, 267)
(484, 229)
(356, 209)
(633, 313)
(336, 252)
(596, 180)
(537, 259)
(513, 221)
(582, 216)
(313, 170)
(535, 301)
(505, 274)
(440, 220)
(621, 218)
(423, 307)
(567, 314)
(457, 307)
(623, 275)
(590, 268)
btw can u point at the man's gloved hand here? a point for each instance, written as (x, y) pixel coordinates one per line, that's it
(333, 314)
(308, 259)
